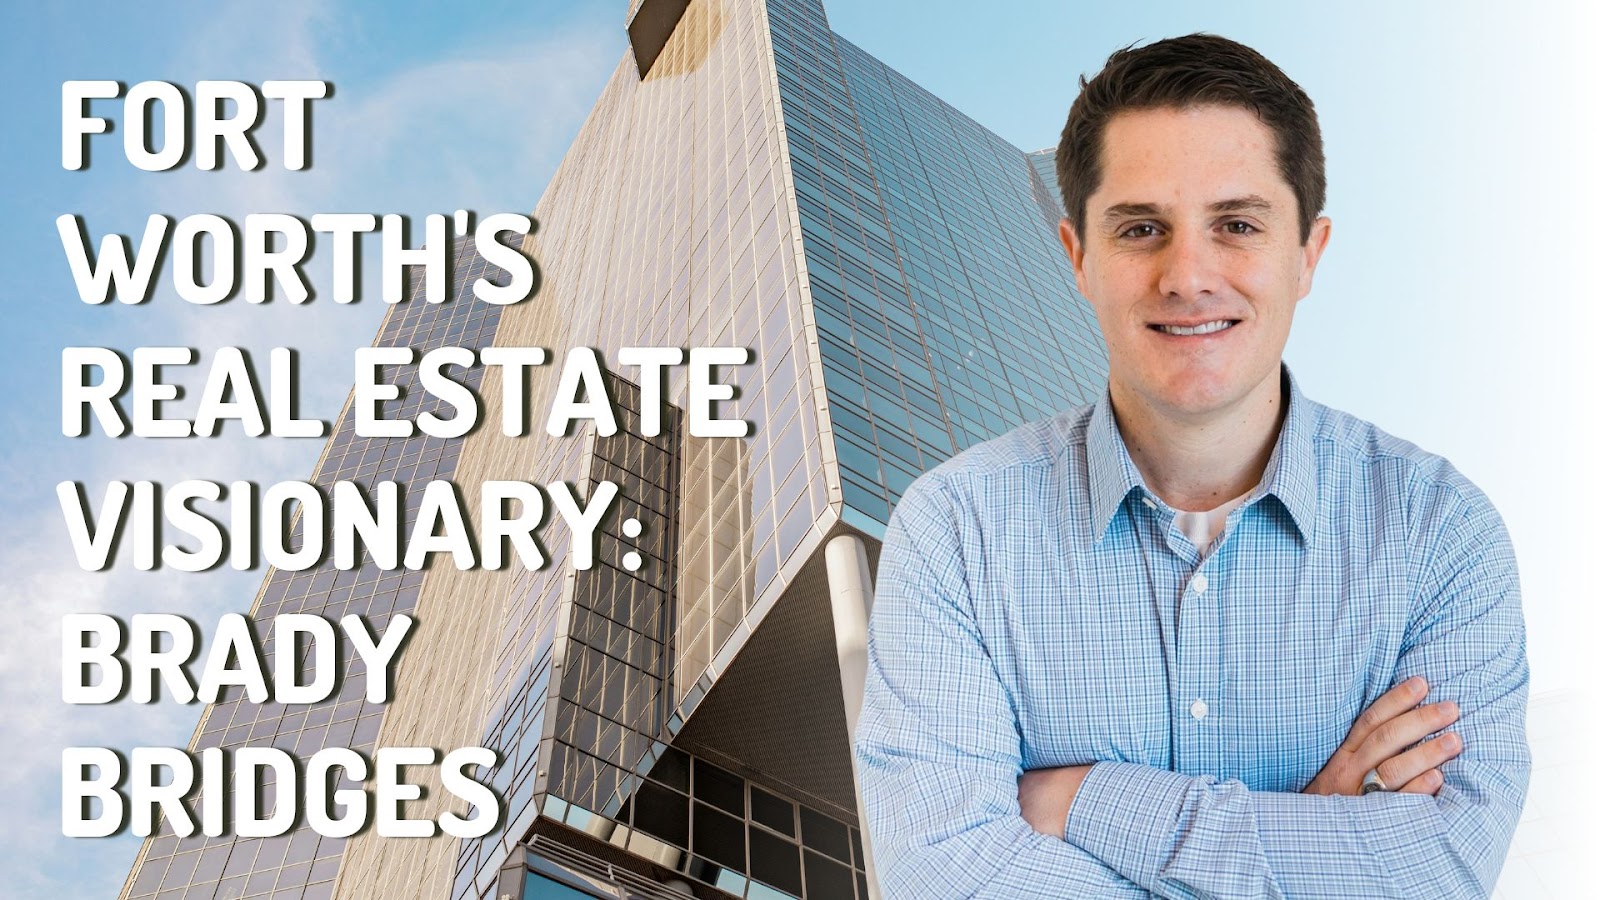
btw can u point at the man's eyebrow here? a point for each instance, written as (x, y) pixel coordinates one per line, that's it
(1130, 210)
(1119, 212)
(1247, 203)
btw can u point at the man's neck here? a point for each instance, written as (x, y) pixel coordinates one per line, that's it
(1201, 462)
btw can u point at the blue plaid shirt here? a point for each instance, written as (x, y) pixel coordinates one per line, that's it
(1037, 607)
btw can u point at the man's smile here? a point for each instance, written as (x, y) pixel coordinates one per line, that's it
(1196, 329)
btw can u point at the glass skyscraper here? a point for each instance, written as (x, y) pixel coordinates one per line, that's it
(302, 863)
(681, 727)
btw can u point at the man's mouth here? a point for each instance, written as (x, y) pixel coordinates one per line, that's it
(1203, 328)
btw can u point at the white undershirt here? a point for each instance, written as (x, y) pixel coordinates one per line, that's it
(1201, 528)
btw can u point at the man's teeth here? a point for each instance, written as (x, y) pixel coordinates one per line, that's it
(1207, 328)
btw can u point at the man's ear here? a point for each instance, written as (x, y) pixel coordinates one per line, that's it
(1074, 248)
(1317, 242)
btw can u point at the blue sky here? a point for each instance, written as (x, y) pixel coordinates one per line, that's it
(1455, 306)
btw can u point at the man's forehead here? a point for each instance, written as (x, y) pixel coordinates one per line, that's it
(1208, 117)
(1221, 157)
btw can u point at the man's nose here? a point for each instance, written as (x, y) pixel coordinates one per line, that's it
(1190, 267)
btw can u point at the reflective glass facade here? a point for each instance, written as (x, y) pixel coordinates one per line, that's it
(610, 704)
(301, 863)
(670, 222)
(893, 269)
(943, 301)
(1045, 185)
(926, 258)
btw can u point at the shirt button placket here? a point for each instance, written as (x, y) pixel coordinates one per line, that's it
(1198, 708)
(1203, 751)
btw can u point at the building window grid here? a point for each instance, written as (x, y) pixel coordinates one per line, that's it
(181, 867)
(854, 179)
(694, 796)
(814, 159)
(683, 303)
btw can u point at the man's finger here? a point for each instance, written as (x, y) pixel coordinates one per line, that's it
(1395, 701)
(1419, 760)
(1428, 782)
(1393, 737)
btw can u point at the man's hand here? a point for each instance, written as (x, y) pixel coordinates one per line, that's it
(1046, 797)
(1379, 739)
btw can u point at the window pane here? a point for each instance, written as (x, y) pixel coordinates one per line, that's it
(826, 878)
(718, 837)
(774, 812)
(775, 861)
(819, 832)
(719, 787)
(662, 813)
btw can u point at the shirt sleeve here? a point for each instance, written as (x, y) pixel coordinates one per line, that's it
(1184, 836)
(937, 745)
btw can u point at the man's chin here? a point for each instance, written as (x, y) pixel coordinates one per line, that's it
(1197, 398)
(1188, 392)
(1199, 391)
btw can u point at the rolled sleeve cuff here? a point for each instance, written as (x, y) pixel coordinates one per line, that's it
(1126, 814)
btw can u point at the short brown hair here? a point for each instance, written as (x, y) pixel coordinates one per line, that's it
(1194, 70)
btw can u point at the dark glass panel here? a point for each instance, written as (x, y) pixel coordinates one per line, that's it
(827, 879)
(719, 787)
(718, 837)
(672, 769)
(819, 832)
(774, 812)
(662, 813)
(775, 861)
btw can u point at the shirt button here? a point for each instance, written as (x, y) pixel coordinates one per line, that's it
(1198, 709)
(1199, 583)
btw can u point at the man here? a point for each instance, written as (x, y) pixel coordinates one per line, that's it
(1209, 624)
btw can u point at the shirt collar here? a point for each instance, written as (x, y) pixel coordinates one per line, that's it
(1112, 473)
(1290, 475)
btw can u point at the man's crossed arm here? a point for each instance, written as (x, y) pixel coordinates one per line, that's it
(1388, 739)
(940, 758)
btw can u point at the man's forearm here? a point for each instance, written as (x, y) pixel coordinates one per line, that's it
(1184, 836)
(940, 832)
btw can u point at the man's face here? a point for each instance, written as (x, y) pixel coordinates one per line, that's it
(1190, 253)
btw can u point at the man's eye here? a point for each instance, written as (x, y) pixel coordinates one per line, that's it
(1142, 230)
(1240, 228)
